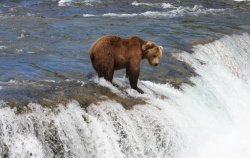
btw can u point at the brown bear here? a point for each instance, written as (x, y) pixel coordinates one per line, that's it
(111, 53)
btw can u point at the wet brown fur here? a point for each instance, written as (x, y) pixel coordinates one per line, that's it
(110, 53)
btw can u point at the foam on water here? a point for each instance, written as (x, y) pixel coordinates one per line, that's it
(3, 47)
(161, 5)
(180, 11)
(21, 36)
(241, 0)
(120, 15)
(88, 15)
(209, 119)
(76, 2)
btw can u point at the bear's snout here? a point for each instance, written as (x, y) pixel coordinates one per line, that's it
(154, 61)
(156, 64)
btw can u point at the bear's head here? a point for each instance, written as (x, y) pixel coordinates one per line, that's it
(152, 52)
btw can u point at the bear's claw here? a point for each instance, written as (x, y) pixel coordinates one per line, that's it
(139, 90)
(115, 85)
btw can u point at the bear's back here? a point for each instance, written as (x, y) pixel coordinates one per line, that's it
(106, 41)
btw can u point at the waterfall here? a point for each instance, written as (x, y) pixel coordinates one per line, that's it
(209, 119)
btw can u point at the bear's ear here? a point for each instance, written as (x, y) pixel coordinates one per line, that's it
(147, 45)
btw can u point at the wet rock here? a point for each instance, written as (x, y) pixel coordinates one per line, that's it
(54, 94)
(4, 151)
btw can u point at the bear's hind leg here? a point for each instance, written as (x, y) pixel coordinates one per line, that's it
(109, 75)
(105, 71)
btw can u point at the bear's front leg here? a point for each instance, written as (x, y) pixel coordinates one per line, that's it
(127, 72)
(133, 74)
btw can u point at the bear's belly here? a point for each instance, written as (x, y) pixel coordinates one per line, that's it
(120, 60)
(120, 65)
